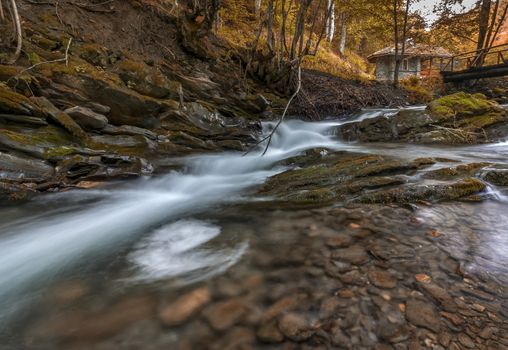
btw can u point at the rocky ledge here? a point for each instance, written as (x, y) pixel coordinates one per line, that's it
(459, 118)
(323, 177)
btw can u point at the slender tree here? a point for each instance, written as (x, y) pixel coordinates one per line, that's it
(19, 33)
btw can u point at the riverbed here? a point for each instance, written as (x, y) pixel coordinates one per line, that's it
(197, 259)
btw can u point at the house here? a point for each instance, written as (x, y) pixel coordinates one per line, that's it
(419, 60)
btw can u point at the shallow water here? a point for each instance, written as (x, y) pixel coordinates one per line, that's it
(160, 234)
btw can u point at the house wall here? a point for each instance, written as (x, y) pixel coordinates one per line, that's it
(385, 68)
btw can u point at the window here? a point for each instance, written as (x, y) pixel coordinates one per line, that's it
(405, 65)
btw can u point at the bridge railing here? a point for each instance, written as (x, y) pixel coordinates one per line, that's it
(486, 57)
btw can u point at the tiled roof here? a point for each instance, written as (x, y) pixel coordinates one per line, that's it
(416, 50)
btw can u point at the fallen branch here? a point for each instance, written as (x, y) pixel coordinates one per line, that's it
(64, 59)
(460, 134)
(281, 119)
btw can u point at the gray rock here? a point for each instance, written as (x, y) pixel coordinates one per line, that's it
(123, 141)
(98, 108)
(25, 169)
(23, 119)
(128, 130)
(86, 118)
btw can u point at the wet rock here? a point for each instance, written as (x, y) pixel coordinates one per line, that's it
(23, 119)
(236, 338)
(61, 118)
(386, 251)
(392, 332)
(283, 305)
(98, 108)
(339, 241)
(147, 80)
(438, 294)
(415, 193)
(466, 341)
(226, 314)
(497, 177)
(86, 118)
(422, 314)
(295, 326)
(131, 145)
(128, 130)
(24, 169)
(355, 254)
(186, 306)
(452, 119)
(478, 294)
(450, 173)
(127, 106)
(14, 103)
(13, 191)
(382, 279)
(269, 332)
(37, 142)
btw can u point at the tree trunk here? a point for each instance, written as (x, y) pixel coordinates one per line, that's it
(19, 33)
(269, 26)
(2, 16)
(343, 34)
(483, 22)
(257, 7)
(396, 41)
(331, 22)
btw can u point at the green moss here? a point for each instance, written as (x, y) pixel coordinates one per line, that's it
(58, 152)
(320, 195)
(482, 121)
(11, 101)
(460, 105)
(418, 193)
(48, 136)
(34, 58)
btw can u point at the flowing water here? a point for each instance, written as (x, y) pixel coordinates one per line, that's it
(154, 233)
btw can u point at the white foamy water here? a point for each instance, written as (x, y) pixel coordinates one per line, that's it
(177, 250)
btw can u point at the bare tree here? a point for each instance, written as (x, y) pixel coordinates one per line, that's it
(399, 57)
(19, 33)
(2, 15)
(257, 7)
(343, 33)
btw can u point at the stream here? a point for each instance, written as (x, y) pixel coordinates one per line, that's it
(111, 256)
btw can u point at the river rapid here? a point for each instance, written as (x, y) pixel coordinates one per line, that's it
(68, 257)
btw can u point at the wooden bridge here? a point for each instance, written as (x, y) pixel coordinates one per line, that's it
(476, 64)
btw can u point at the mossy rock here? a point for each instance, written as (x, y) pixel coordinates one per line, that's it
(94, 54)
(482, 121)
(451, 173)
(36, 142)
(462, 105)
(12, 102)
(147, 80)
(61, 118)
(427, 193)
(495, 176)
